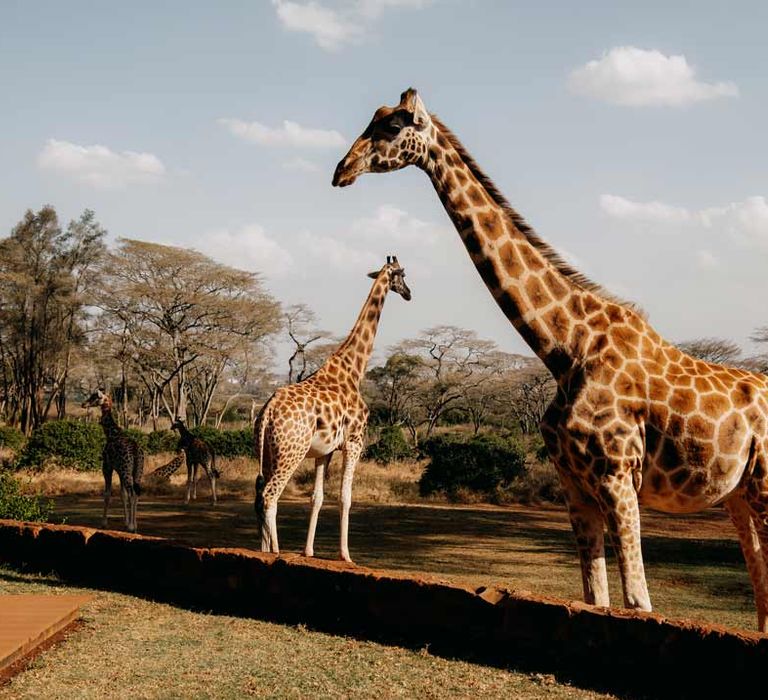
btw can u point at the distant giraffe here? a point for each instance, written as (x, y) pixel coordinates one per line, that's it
(164, 472)
(634, 419)
(321, 414)
(199, 454)
(121, 453)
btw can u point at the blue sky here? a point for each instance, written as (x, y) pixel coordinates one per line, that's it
(631, 136)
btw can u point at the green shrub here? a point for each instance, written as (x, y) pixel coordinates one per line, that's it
(140, 437)
(162, 441)
(390, 447)
(11, 438)
(228, 443)
(481, 463)
(538, 483)
(66, 443)
(14, 505)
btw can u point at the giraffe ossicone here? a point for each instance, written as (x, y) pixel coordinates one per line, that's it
(121, 453)
(634, 420)
(319, 415)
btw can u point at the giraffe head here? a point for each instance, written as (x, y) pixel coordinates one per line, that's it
(178, 424)
(98, 398)
(395, 277)
(396, 137)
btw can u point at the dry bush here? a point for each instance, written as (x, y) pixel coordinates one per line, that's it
(539, 484)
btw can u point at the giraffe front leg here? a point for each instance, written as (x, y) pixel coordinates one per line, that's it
(194, 481)
(618, 499)
(352, 451)
(107, 472)
(588, 528)
(321, 464)
(751, 547)
(210, 470)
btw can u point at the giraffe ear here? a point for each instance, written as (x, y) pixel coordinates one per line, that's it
(373, 275)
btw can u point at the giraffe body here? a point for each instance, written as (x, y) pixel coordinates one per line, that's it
(165, 471)
(318, 416)
(199, 454)
(634, 420)
(122, 454)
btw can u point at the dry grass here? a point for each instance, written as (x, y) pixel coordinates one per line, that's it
(134, 648)
(395, 483)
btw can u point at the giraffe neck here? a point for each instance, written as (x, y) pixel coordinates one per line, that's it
(184, 434)
(108, 423)
(353, 354)
(543, 304)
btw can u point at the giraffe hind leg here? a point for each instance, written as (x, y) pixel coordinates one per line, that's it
(753, 546)
(211, 473)
(321, 464)
(352, 452)
(281, 472)
(189, 482)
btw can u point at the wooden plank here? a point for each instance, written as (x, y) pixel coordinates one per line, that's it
(27, 621)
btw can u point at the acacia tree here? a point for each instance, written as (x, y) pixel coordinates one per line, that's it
(187, 317)
(527, 394)
(452, 361)
(44, 273)
(300, 325)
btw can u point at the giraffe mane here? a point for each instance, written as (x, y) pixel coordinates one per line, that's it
(549, 253)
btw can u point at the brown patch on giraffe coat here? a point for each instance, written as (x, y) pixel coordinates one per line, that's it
(626, 340)
(700, 428)
(730, 436)
(575, 305)
(599, 323)
(627, 386)
(531, 258)
(713, 405)
(477, 196)
(462, 178)
(682, 400)
(510, 260)
(491, 224)
(555, 285)
(473, 243)
(702, 384)
(743, 394)
(537, 293)
(613, 359)
(487, 271)
(559, 323)
(658, 389)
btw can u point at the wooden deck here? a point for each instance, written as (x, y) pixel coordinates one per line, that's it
(27, 622)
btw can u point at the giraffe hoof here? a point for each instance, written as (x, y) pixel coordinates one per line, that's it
(308, 553)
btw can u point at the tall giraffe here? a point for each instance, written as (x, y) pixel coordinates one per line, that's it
(635, 420)
(120, 453)
(321, 414)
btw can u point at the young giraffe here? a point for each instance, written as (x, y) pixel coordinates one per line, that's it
(164, 472)
(321, 414)
(634, 419)
(123, 454)
(199, 454)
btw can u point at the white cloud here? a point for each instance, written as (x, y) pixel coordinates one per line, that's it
(648, 212)
(706, 259)
(248, 247)
(333, 29)
(301, 165)
(290, 134)
(99, 166)
(330, 29)
(746, 221)
(330, 250)
(626, 75)
(395, 224)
